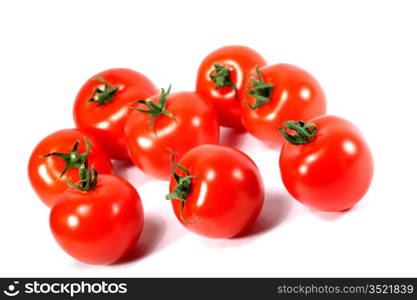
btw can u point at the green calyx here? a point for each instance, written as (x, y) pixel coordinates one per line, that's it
(304, 132)
(74, 159)
(156, 109)
(261, 91)
(183, 187)
(103, 96)
(221, 77)
(88, 178)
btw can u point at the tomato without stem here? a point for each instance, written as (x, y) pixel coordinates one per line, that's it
(216, 191)
(221, 77)
(99, 223)
(329, 167)
(45, 172)
(102, 105)
(177, 121)
(277, 93)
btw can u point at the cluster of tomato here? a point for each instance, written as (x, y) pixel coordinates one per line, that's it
(215, 190)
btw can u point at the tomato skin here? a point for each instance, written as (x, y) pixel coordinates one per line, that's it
(44, 173)
(240, 60)
(195, 124)
(99, 226)
(107, 122)
(226, 196)
(331, 173)
(296, 96)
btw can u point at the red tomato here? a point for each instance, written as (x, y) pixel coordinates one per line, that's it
(178, 121)
(216, 191)
(221, 77)
(326, 164)
(279, 93)
(102, 106)
(99, 221)
(45, 172)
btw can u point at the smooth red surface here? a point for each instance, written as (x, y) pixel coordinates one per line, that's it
(44, 172)
(195, 124)
(296, 96)
(107, 122)
(226, 196)
(331, 173)
(240, 60)
(99, 226)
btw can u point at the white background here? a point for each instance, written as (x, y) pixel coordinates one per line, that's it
(362, 52)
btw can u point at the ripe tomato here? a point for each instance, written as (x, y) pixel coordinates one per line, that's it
(102, 105)
(178, 121)
(48, 175)
(325, 164)
(216, 191)
(221, 77)
(277, 93)
(99, 220)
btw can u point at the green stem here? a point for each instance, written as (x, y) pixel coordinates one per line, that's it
(103, 96)
(156, 109)
(74, 159)
(261, 91)
(220, 75)
(183, 187)
(88, 178)
(304, 132)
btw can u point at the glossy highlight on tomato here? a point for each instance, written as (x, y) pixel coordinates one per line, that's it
(282, 92)
(333, 170)
(101, 225)
(103, 103)
(45, 172)
(188, 120)
(221, 78)
(224, 194)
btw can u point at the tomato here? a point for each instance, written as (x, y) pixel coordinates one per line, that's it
(48, 175)
(102, 105)
(99, 220)
(277, 93)
(221, 77)
(325, 164)
(179, 121)
(216, 191)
